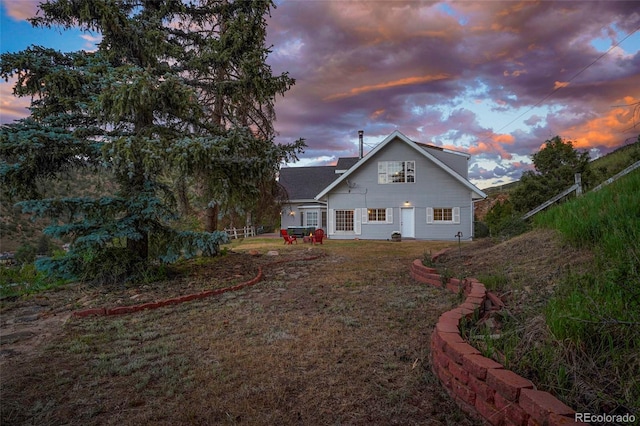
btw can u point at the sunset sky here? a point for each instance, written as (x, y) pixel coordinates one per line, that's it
(491, 78)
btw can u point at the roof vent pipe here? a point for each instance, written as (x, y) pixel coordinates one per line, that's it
(361, 138)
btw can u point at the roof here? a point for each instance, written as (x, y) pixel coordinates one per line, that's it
(439, 148)
(303, 183)
(345, 163)
(420, 149)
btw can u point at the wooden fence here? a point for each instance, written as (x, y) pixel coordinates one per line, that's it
(235, 233)
(577, 187)
(618, 176)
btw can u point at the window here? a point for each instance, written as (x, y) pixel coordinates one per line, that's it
(396, 172)
(344, 220)
(312, 219)
(377, 215)
(443, 214)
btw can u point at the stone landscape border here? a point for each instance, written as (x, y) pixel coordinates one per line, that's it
(120, 310)
(481, 387)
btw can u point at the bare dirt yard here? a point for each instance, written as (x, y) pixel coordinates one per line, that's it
(340, 339)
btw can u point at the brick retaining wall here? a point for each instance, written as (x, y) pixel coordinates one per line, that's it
(480, 386)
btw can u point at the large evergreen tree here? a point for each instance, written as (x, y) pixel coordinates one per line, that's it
(137, 107)
(226, 64)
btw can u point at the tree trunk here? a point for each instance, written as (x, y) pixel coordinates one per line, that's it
(211, 212)
(211, 218)
(183, 197)
(139, 248)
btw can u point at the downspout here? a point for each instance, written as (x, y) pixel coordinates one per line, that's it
(473, 223)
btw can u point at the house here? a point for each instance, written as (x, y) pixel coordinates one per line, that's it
(419, 190)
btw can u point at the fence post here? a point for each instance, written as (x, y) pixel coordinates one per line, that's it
(578, 180)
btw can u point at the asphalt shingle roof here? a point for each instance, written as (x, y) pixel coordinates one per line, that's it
(345, 163)
(306, 182)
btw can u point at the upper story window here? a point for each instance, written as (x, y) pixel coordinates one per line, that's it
(396, 172)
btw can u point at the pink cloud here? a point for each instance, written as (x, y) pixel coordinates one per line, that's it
(11, 108)
(492, 143)
(20, 10)
(606, 130)
(408, 81)
(560, 84)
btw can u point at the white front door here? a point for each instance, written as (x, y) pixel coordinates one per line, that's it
(407, 223)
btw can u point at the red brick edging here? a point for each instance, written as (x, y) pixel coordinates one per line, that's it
(480, 386)
(119, 310)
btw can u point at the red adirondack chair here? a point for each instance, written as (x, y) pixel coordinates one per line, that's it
(318, 236)
(288, 239)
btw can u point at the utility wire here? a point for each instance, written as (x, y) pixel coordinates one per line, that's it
(636, 110)
(569, 81)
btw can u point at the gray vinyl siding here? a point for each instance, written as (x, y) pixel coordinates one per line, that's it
(286, 219)
(433, 187)
(299, 210)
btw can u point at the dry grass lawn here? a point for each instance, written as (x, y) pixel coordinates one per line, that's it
(342, 339)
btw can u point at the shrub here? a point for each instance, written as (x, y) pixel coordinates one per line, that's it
(25, 279)
(26, 253)
(44, 245)
(503, 221)
(481, 230)
(427, 259)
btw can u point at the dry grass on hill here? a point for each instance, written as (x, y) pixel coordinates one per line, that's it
(530, 263)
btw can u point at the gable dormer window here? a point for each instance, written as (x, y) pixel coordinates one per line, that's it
(396, 172)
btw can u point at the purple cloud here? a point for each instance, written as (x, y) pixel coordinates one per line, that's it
(495, 79)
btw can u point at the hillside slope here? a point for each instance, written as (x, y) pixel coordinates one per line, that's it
(572, 293)
(532, 263)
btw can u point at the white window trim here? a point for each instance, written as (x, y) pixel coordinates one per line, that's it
(306, 218)
(357, 222)
(383, 176)
(388, 214)
(331, 219)
(455, 215)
